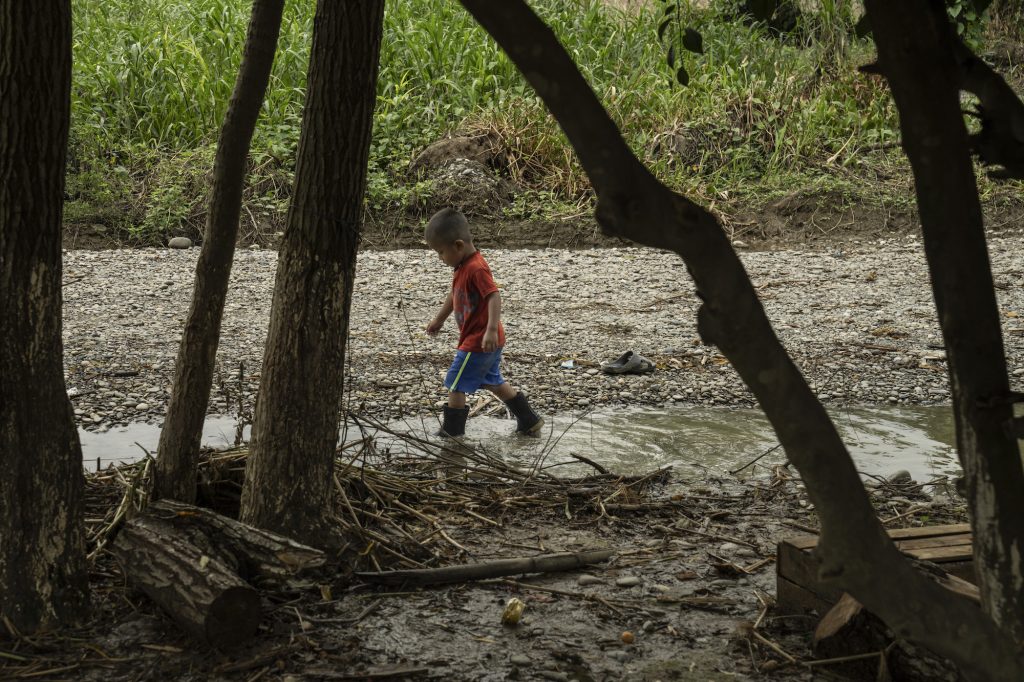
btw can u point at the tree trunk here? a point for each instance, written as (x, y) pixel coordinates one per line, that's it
(196, 585)
(915, 49)
(183, 427)
(295, 426)
(42, 541)
(854, 552)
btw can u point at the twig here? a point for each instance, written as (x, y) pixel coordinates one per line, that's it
(587, 460)
(756, 459)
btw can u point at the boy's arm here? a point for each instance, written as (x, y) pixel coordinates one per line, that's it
(490, 340)
(446, 309)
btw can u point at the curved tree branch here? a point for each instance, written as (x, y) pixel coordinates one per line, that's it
(854, 552)
(1001, 140)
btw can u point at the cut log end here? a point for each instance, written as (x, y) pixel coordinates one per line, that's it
(233, 617)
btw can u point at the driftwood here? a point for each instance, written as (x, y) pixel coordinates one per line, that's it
(199, 590)
(257, 555)
(848, 631)
(195, 564)
(546, 563)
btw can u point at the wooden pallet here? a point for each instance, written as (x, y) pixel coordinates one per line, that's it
(948, 546)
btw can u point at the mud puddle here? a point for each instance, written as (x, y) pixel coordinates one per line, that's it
(694, 441)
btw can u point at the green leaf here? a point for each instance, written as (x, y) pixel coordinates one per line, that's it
(662, 27)
(693, 41)
(682, 76)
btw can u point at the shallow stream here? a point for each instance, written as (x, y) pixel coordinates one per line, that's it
(693, 440)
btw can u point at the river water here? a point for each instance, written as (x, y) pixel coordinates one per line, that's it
(695, 441)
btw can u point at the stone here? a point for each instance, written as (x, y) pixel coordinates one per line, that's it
(519, 660)
(628, 581)
(180, 243)
(587, 579)
(901, 476)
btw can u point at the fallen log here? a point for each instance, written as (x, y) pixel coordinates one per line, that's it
(257, 555)
(545, 563)
(197, 588)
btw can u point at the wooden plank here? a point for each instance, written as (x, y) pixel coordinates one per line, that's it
(797, 570)
(809, 541)
(793, 599)
(942, 554)
(941, 541)
(929, 531)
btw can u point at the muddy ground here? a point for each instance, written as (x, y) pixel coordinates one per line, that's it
(688, 595)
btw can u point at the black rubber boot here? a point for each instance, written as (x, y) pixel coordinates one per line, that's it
(528, 422)
(454, 425)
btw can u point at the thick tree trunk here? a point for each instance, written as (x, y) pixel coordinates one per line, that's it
(183, 427)
(854, 553)
(196, 585)
(915, 49)
(295, 429)
(42, 542)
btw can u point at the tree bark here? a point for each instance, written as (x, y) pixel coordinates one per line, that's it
(183, 426)
(916, 54)
(196, 585)
(43, 580)
(295, 426)
(854, 552)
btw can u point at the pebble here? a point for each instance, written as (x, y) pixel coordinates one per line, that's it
(587, 579)
(520, 660)
(180, 243)
(824, 310)
(628, 581)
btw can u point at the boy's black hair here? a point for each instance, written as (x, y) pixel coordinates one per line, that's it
(446, 226)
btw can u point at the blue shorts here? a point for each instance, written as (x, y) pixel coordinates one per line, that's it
(471, 370)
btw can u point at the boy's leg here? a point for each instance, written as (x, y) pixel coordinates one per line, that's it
(528, 422)
(456, 400)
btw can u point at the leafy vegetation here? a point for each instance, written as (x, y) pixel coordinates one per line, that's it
(760, 116)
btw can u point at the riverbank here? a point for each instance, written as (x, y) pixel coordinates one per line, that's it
(687, 594)
(857, 317)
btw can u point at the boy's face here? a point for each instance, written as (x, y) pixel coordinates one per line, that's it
(450, 254)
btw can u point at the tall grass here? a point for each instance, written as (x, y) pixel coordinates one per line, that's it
(152, 79)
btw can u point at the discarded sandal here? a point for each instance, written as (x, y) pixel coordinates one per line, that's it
(646, 366)
(628, 363)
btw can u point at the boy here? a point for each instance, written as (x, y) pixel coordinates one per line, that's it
(475, 300)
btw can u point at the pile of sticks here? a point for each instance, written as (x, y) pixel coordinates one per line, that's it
(398, 493)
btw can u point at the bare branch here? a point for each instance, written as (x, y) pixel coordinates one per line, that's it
(1001, 140)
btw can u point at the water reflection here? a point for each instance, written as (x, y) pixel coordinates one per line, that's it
(694, 440)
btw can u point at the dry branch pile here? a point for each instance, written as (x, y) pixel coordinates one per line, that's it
(398, 495)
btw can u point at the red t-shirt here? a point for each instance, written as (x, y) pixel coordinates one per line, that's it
(471, 285)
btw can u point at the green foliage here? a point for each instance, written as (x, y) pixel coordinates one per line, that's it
(152, 79)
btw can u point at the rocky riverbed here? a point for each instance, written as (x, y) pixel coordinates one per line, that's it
(858, 318)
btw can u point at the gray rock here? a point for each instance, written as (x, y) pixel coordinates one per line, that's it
(628, 581)
(520, 660)
(180, 243)
(587, 579)
(901, 476)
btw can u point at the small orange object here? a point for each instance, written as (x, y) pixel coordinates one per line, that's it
(628, 637)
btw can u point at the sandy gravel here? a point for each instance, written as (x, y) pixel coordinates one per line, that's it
(859, 322)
